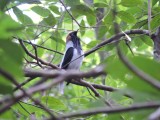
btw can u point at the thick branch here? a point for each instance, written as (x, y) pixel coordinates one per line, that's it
(41, 73)
(97, 86)
(63, 75)
(106, 110)
(71, 73)
(115, 38)
(156, 40)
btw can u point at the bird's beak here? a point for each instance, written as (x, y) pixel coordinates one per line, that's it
(77, 30)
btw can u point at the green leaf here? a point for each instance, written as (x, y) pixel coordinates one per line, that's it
(146, 39)
(3, 4)
(8, 26)
(140, 115)
(82, 29)
(8, 115)
(124, 47)
(155, 10)
(28, 1)
(12, 50)
(131, 3)
(145, 63)
(126, 17)
(100, 5)
(96, 104)
(11, 58)
(154, 2)
(155, 22)
(50, 20)
(56, 43)
(5, 86)
(55, 9)
(118, 70)
(115, 68)
(140, 24)
(30, 32)
(30, 108)
(54, 103)
(58, 38)
(102, 30)
(137, 41)
(91, 20)
(92, 44)
(82, 9)
(109, 19)
(72, 2)
(41, 11)
(22, 17)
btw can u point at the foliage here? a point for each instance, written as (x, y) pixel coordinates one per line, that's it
(46, 23)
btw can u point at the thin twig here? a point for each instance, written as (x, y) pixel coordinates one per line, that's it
(69, 12)
(34, 57)
(149, 16)
(91, 87)
(36, 54)
(72, 16)
(23, 83)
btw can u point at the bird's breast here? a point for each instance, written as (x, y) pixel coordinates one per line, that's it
(76, 61)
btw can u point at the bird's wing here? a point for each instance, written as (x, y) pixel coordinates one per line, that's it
(67, 58)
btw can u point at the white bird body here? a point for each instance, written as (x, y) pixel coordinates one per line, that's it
(76, 64)
(71, 58)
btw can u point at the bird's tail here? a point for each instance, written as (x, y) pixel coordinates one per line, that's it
(61, 88)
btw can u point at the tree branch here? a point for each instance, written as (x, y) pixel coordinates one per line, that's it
(155, 115)
(42, 47)
(34, 57)
(72, 16)
(114, 39)
(11, 79)
(149, 16)
(63, 75)
(97, 86)
(23, 83)
(112, 110)
(152, 81)
(156, 39)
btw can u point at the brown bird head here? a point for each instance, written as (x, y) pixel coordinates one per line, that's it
(71, 36)
(76, 41)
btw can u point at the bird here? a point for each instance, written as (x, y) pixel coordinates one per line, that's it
(73, 56)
